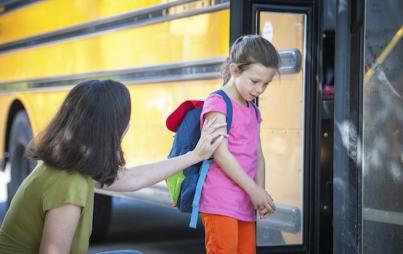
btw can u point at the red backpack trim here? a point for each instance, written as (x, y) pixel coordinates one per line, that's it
(175, 118)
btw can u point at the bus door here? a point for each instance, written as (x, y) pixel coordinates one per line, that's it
(289, 129)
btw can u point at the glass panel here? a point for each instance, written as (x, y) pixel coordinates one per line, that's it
(282, 130)
(382, 175)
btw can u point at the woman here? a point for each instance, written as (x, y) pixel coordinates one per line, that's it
(81, 149)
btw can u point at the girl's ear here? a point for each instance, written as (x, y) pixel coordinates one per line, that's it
(234, 70)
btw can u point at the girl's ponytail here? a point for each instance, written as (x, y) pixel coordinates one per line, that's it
(225, 73)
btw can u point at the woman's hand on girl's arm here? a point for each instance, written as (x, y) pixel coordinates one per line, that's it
(145, 175)
(210, 138)
(59, 229)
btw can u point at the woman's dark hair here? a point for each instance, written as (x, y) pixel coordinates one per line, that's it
(86, 133)
(250, 49)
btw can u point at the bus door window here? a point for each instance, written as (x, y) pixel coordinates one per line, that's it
(282, 131)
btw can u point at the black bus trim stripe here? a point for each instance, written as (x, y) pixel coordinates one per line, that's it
(205, 69)
(181, 71)
(13, 5)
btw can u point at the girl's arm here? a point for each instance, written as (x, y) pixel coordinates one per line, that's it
(145, 175)
(260, 167)
(229, 164)
(261, 178)
(59, 229)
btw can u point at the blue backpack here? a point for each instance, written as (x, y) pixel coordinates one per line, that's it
(185, 187)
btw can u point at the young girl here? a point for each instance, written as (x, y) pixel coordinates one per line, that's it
(234, 186)
(80, 149)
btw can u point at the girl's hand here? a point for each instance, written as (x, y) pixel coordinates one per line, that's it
(210, 139)
(262, 202)
(264, 213)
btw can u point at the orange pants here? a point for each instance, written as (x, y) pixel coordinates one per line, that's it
(227, 235)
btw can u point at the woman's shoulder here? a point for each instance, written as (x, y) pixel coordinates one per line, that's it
(64, 186)
(61, 176)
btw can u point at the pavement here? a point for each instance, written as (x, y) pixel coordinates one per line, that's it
(150, 229)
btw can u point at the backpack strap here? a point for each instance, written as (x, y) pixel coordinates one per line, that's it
(196, 200)
(229, 107)
(206, 164)
(256, 110)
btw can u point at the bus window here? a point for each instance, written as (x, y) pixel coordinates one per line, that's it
(282, 107)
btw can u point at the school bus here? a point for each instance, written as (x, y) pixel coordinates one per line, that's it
(323, 145)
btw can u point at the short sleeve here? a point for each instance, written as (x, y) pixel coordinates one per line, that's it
(71, 189)
(213, 103)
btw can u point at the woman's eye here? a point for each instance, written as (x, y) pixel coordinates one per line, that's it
(254, 81)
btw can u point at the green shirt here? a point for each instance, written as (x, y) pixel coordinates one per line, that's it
(44, 189)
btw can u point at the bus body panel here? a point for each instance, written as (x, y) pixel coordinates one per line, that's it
(173, 41)
(6, 101)
(63, 14)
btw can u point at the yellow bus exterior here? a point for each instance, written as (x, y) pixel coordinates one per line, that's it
(183, 36)
(73, 13)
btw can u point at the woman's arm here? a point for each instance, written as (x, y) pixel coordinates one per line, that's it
(59, 229)
(229, 164)
(149, 174)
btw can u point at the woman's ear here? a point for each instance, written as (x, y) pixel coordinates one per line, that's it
(234, 70)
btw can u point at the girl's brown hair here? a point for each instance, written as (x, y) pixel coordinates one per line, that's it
(86, 133)
(250, 49)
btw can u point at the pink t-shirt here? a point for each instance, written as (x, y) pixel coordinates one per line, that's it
(220, 194)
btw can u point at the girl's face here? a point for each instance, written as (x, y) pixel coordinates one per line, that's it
(253, 81)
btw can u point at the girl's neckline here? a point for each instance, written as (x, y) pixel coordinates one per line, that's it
(240, 104)
(237, 102)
